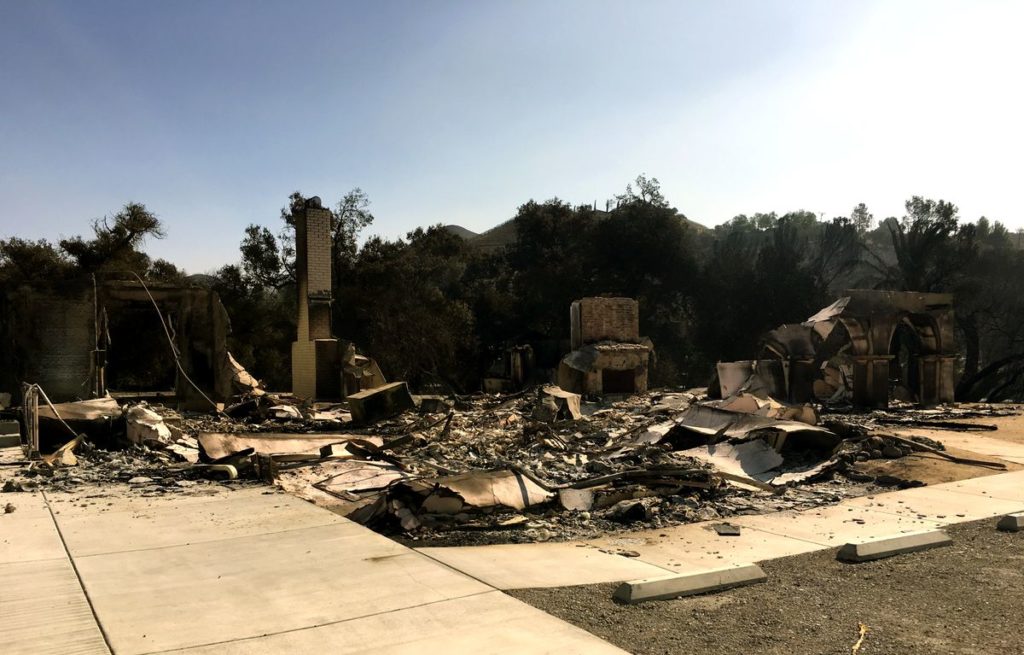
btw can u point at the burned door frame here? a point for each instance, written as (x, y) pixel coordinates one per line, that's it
(199, 331)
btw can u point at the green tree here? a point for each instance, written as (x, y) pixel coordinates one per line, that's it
(269, 259)
(23, 261)
(931, 246)
(861, 218)
(116, 242)
(402, 303)
(647, 190)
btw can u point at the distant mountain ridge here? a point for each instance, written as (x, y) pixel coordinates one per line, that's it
(504, 234)
(460, 231)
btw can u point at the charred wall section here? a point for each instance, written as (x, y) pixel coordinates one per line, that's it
(50, 337)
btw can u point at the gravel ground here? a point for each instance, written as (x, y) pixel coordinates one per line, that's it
(967, 598)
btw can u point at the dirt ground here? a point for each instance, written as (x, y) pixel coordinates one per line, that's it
(967, 599)
(933, 469)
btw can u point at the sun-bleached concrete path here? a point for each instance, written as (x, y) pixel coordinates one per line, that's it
(247, 571)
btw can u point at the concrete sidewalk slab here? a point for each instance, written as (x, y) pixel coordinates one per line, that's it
(1005, 486)
(524, 566)
(44, 612)
(28, 533)
(255, 585)
(836, 525)
(491, 623)
(937, 504)
(157, 522)
(696, 547)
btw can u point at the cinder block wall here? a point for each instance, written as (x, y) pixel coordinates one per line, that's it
(605, 319)
(56, 341)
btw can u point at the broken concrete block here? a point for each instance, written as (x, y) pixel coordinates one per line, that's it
(727, 530)
(580, 500)
(675, 586)
(546, 411)
(568, 403)
(285, 413)
(334, 450)
(380, 403)
(905, 543)
(1011, 522)
(146, 427)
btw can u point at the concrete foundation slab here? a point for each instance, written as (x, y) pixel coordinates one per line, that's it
(674, 586)
(866, 551)
(524, 566)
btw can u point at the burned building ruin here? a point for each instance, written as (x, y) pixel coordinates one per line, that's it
(116, 335)
(608, 354)
(867, 347)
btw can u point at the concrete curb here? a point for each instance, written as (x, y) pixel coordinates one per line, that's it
(881, 548)
(675, 586)
(1011, 522)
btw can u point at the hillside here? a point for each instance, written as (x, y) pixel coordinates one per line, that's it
(502, 235)
(462, 232)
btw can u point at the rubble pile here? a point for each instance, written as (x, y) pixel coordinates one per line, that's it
(147, 472)
(541, 464)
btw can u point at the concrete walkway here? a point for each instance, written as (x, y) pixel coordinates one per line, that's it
(246, 571)
(43, 609)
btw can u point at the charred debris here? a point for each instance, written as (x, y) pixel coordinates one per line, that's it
(599, 453)
(590, 450)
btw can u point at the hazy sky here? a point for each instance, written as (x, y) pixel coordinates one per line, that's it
(212, 112)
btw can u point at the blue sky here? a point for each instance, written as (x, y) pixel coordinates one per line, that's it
(212, 112)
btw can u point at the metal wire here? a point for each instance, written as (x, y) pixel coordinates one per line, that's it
(170, 340)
